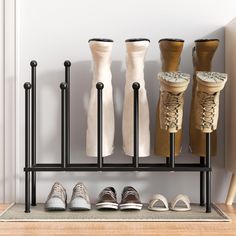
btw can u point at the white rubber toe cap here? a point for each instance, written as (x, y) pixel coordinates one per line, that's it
(55, 203)
(79, 203)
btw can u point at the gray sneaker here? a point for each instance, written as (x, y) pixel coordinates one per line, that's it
(79, 199)
(56, 200)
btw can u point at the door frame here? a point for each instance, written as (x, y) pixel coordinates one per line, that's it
(9, 100)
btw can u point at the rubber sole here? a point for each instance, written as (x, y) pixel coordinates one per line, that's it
(180, 209)
(176, 78)
(107, 205)
(55, 209)
(158, 209)
(79, 209)
(131, 206)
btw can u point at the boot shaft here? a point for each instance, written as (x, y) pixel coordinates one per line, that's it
(101, 52)
(170, 53)
(137, 47)
(135, 54)
(203, 53)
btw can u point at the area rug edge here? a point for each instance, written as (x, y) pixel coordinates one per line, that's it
(225, 218)
(221, 212)
(8, 208)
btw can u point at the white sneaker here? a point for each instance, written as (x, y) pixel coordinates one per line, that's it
(56, 200)
(79, 199)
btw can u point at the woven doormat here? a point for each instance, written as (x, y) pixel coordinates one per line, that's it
(16, 213)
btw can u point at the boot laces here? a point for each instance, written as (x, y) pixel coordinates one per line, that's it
(172, 102)
(208, 106)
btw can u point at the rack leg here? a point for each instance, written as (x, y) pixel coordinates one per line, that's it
(208, 173)
(208, 191)
(27, 192)
(202, 183)
(172, 150)
(27, 87)
(67, 65)
(99, 87)
(136, 87)
(63, 87)
(33, 65)
(33, 186)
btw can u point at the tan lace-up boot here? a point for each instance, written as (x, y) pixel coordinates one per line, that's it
(203, 53)
(172, 86)
(209, 85)
(170, 56)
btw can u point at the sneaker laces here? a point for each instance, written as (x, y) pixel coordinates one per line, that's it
(57, 191)
(172, 102)
(208, 105)
(130, 192)
(109, 192)
(80, 191)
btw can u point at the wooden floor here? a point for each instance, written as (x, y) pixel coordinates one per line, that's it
(121, 228)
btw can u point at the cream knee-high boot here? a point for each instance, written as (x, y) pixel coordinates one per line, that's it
(101, 52)
(135, 54)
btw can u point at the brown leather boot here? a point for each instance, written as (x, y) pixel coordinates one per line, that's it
(203, 53)
(170, 56)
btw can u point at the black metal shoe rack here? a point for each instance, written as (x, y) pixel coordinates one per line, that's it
(32, 167)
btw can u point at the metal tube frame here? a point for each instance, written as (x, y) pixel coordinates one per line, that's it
(136, 87)
(27, 87)
(99, 87)
(208, 173)
(63, 87)
(65, 165)
(202, 183)
(33, 65)
(172, 150)
(67, 65)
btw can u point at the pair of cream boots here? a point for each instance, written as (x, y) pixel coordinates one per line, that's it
(135, 53)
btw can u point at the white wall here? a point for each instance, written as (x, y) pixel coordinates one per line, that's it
(51, 31)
